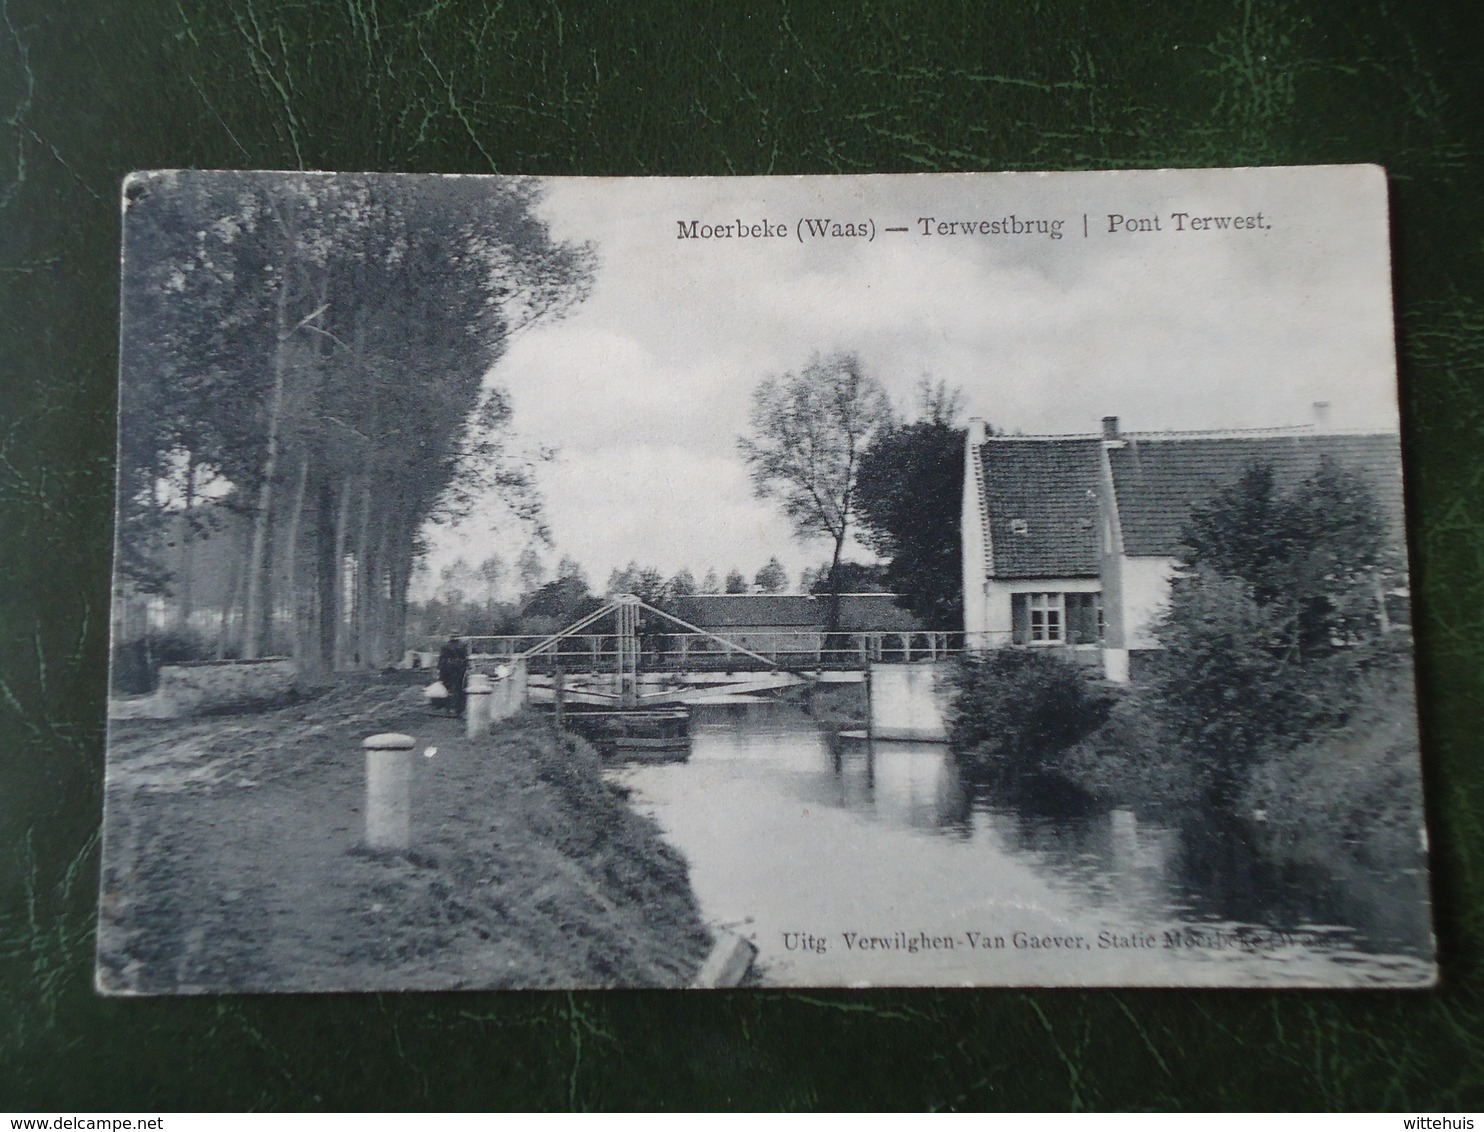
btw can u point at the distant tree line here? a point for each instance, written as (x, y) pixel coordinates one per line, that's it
(489, 599)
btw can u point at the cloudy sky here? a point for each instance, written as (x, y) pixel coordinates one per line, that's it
(644, 388)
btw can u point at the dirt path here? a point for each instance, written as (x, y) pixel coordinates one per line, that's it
(234, 860)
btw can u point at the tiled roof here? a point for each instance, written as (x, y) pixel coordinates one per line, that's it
(1159, 478)
(1042, 495)
(858, 612)
(735, 611)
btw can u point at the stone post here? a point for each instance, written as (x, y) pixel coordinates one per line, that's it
(477, 705)
(389, 790)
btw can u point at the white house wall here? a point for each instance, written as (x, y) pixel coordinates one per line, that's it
(975, 545)
(1146, 594)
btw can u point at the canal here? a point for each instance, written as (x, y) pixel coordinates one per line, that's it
(874, 864)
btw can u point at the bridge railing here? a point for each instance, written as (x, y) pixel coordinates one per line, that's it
(680, 651)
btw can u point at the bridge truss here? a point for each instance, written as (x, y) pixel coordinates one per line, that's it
(709, 668)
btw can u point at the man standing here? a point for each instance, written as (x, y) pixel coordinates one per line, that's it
(453, 667)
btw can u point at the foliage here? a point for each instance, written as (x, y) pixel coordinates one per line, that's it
(772, 578)
(1317, 552)
(1130, 760)
(530, 569)
(737, 582)
(562, 600)
(808, 430)
(682, 583)
(1017, 710)
(569, 569)
(309, 352)
(910, 494)
(1357, 786)
(430, 623)
(852, 578)
(644, 582)
(1274, 620)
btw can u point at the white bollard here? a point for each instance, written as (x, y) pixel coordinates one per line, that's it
(477, 691)
(389, 790)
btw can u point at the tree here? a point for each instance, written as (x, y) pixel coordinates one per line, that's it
(457, 581)
(644, 582)
(711, 584)
(569, 569)
(304, 363)
(737, 582)
(530, 569)
(807, 433)
(491, 573)
(1318, 553)
(910, 493)
(1275, 619)
(683, 584)
(563, 600)
(772, 578)
(853, 578)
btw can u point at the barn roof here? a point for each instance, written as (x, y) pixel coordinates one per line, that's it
(803, 612)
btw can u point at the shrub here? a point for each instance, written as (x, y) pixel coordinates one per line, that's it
(1131, 759)
(136, 664)
(1356, 786)
(1016, 711)
(1274, 620)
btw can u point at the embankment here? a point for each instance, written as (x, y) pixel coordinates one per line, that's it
(234, 859)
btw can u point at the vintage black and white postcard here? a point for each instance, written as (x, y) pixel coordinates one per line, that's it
(950, 580)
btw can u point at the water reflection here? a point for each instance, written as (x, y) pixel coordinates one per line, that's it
(791, 829)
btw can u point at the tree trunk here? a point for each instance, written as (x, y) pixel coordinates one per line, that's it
(291, 566)
(325, 574)
(373, 650)
(338, 610)
(363, 582)
(257, 560)
(834, 615)
(229, 608)
(185, 599)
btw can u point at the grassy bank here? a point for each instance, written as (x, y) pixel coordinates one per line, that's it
(235, 859)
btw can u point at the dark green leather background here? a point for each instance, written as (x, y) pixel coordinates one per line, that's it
(91, 90)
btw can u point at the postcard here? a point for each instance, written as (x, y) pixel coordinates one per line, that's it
(941, 580)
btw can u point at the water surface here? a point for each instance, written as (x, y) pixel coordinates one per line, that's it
(854, 863)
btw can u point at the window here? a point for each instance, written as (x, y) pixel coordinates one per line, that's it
(1056, 618)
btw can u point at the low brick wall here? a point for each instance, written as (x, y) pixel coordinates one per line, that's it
(213, 685)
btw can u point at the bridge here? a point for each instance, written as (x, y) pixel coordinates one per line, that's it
(654, 659)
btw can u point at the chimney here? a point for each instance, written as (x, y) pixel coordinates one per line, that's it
(977, 432)
(1321, 414)
(1110, 428)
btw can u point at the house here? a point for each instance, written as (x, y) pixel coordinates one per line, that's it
(1070, 542)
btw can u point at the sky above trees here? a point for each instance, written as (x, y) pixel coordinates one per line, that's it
(644, 388)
